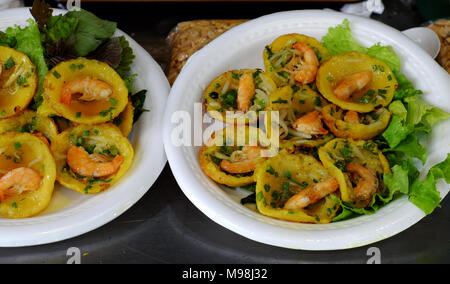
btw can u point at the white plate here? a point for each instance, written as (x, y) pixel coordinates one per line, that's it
(242, 47)
(70, 213)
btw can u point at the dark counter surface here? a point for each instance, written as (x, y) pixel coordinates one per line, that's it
(165, 227)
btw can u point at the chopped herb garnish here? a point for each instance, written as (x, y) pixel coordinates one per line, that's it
(21, 80)
(382, 93)
(105, 112)
(328, 211)
(369, 146)
(367, 98)
(271, 171)
(342, 165)
(79, 141)
(284, 74)
(89, 148)
(14, 205)
(346, 152)
(260, 196)
(9, 63)
(330, 79)
(317, 102)
(304, 184)
(228, 99)
(269, 51)
(17, 145)
(275, 195)
(280, 101)
(235, 76)
(86, 189)
(295, 89)
(3, 113)
(78, 114)
(113, 101)
(267, 187)
(56, 74)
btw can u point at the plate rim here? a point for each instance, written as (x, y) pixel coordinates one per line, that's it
(46, 233)
(246, 226)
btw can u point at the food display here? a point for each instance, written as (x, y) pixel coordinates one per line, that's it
(65, 113)
(348, 124)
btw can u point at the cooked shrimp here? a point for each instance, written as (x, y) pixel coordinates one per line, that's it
(310, 123)
(367, 182)
(246, 162)
(308, 66)
(19, 180)
(246, 91)
(312, 194)
(351, 117)
(352, 83)
(92, 165)
(89, 88)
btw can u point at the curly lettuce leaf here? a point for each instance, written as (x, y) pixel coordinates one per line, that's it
(424, 193)
(6, 40)
(339, 39)
(60, 27)
(405, 88)
(385, 54)
(396, 132)
(442, 170)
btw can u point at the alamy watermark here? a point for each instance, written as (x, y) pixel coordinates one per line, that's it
(231, 129)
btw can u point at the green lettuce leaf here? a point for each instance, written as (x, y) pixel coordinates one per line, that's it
(424, 195)
(405, 88)
(60, 27)
(434, 115)
(396, 131)
(398, 180)
(412, 148)
(442, 170)
(398, 109)
(385, 54)
(339, 39)
(6, 40)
